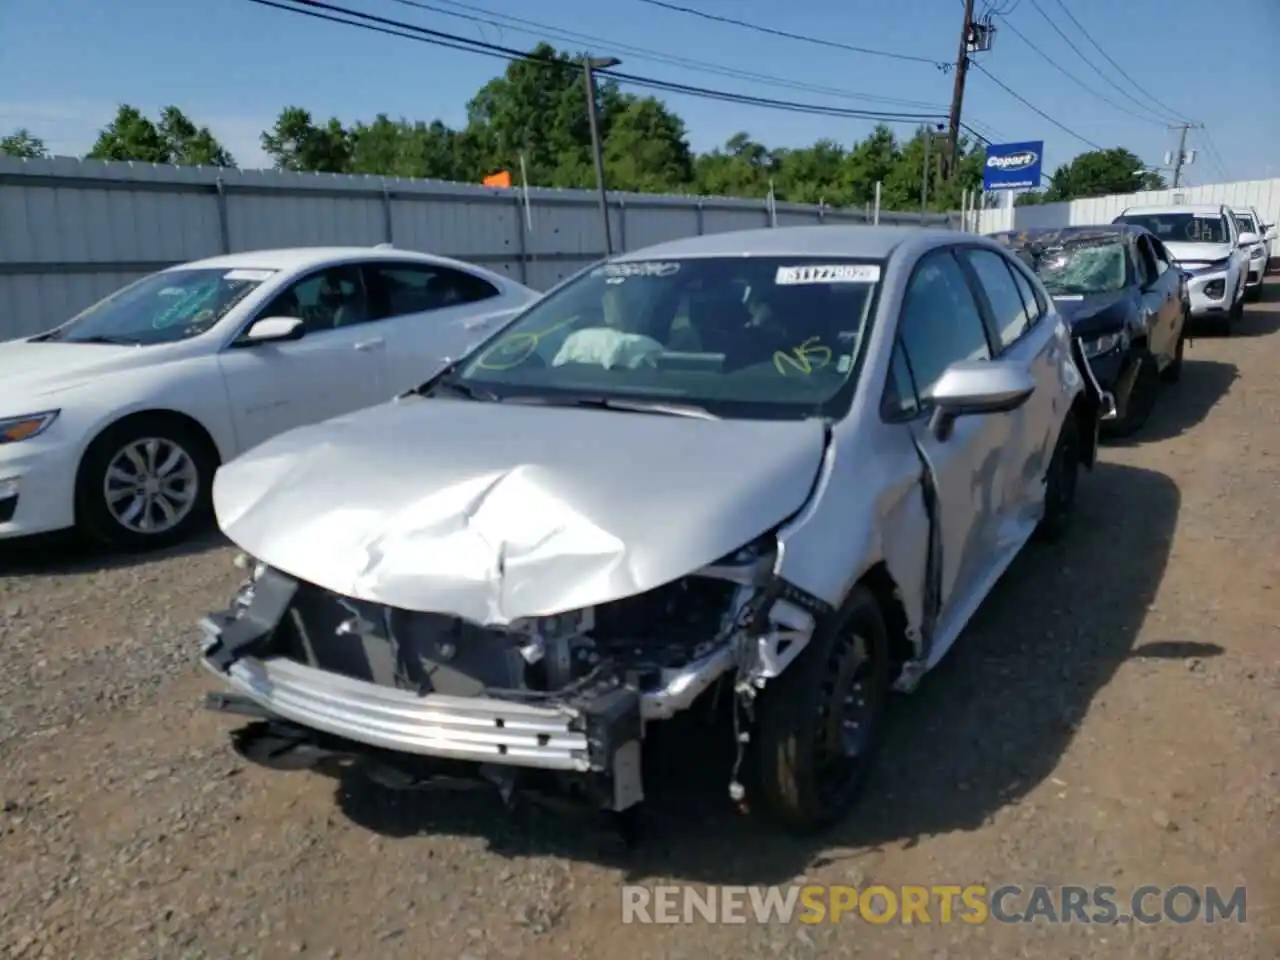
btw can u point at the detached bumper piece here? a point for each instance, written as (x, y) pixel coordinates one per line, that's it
(592, 735)
(1100, 403)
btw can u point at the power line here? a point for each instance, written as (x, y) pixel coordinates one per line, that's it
(1029, 105)
(1148, 118)
(1119, 69)
(1214, 155)
(1080, 53)
(542, 30)
(820, 41)
(440, 38)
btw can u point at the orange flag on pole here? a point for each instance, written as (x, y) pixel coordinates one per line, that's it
(500, 179)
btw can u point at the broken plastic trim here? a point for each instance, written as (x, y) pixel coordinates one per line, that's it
(1101, 404)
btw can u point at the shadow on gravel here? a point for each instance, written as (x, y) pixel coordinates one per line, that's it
(985, 728)
(1183, 405)
(1177, 650)
(1261, 318)
(63, 553)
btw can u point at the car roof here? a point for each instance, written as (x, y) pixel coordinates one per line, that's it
(301, 258)
(872, 242)
(1214, 208)
(1090, 231)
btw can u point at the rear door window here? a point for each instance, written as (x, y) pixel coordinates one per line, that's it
(400, 289)
(1008, 309)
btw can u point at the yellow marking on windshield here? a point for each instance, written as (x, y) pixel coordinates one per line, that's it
(805, 359)
(522, 344)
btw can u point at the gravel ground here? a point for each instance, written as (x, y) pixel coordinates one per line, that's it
(1111, 717)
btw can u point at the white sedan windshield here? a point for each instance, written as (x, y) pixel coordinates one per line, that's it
(743, 335)
(164, 307)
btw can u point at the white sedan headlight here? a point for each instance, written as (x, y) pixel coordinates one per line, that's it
(13, 429)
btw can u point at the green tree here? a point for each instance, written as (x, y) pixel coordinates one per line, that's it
(175, 139)
(1096, 174)
(299, 144)
(869, 163)
(398, 148)
(646, 149)
(742, 168)
(131, 136)
(812, 174)
(191, 145)
(1154, 180)
(536, 109)
(24, 145)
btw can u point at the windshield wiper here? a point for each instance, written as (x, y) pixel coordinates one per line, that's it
(458, 389)
(103, 338)
(625, 404)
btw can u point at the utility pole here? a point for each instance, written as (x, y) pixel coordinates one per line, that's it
(929, 137)
(924, 172)
(957, 91)
(589, 66)
(1182, 156)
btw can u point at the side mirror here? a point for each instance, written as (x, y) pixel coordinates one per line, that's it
(1248, 239)
(1268, 231)
(970, 387)
(1187, 275)
(274, 330)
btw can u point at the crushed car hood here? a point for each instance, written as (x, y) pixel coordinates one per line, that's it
(1090, 315)
(497, 511)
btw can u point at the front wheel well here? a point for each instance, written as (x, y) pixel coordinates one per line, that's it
(186, 423)
(880, 582)
(1084, 410)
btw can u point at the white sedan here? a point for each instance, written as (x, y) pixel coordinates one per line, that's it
(115, 421)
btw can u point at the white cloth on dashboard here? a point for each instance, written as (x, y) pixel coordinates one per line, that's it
(607, 348)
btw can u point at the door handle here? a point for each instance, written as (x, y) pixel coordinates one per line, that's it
(375, 343)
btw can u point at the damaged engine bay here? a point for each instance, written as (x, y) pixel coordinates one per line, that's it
(555, 702)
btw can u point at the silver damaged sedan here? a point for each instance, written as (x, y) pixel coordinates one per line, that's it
(782, 465)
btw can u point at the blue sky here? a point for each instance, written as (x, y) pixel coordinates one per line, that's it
(65, 64)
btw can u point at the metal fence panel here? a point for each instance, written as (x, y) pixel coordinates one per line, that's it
(71, 231)
(1262, 195)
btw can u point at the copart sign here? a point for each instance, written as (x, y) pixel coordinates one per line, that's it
(1013, 166)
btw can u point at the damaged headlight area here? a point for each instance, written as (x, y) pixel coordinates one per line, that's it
(568, 693)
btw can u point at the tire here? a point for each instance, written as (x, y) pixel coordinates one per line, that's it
(1233, 316)
(181, 481)
(1173, 372)
(804, 788)
(1141, 400)
(1060, 483)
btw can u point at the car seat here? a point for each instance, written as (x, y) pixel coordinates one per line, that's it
(720, 324)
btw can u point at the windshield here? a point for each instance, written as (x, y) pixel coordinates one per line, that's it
(741, 336)
(1079, 268)
(1183, 227)
(163, 308)
(1246, 225)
